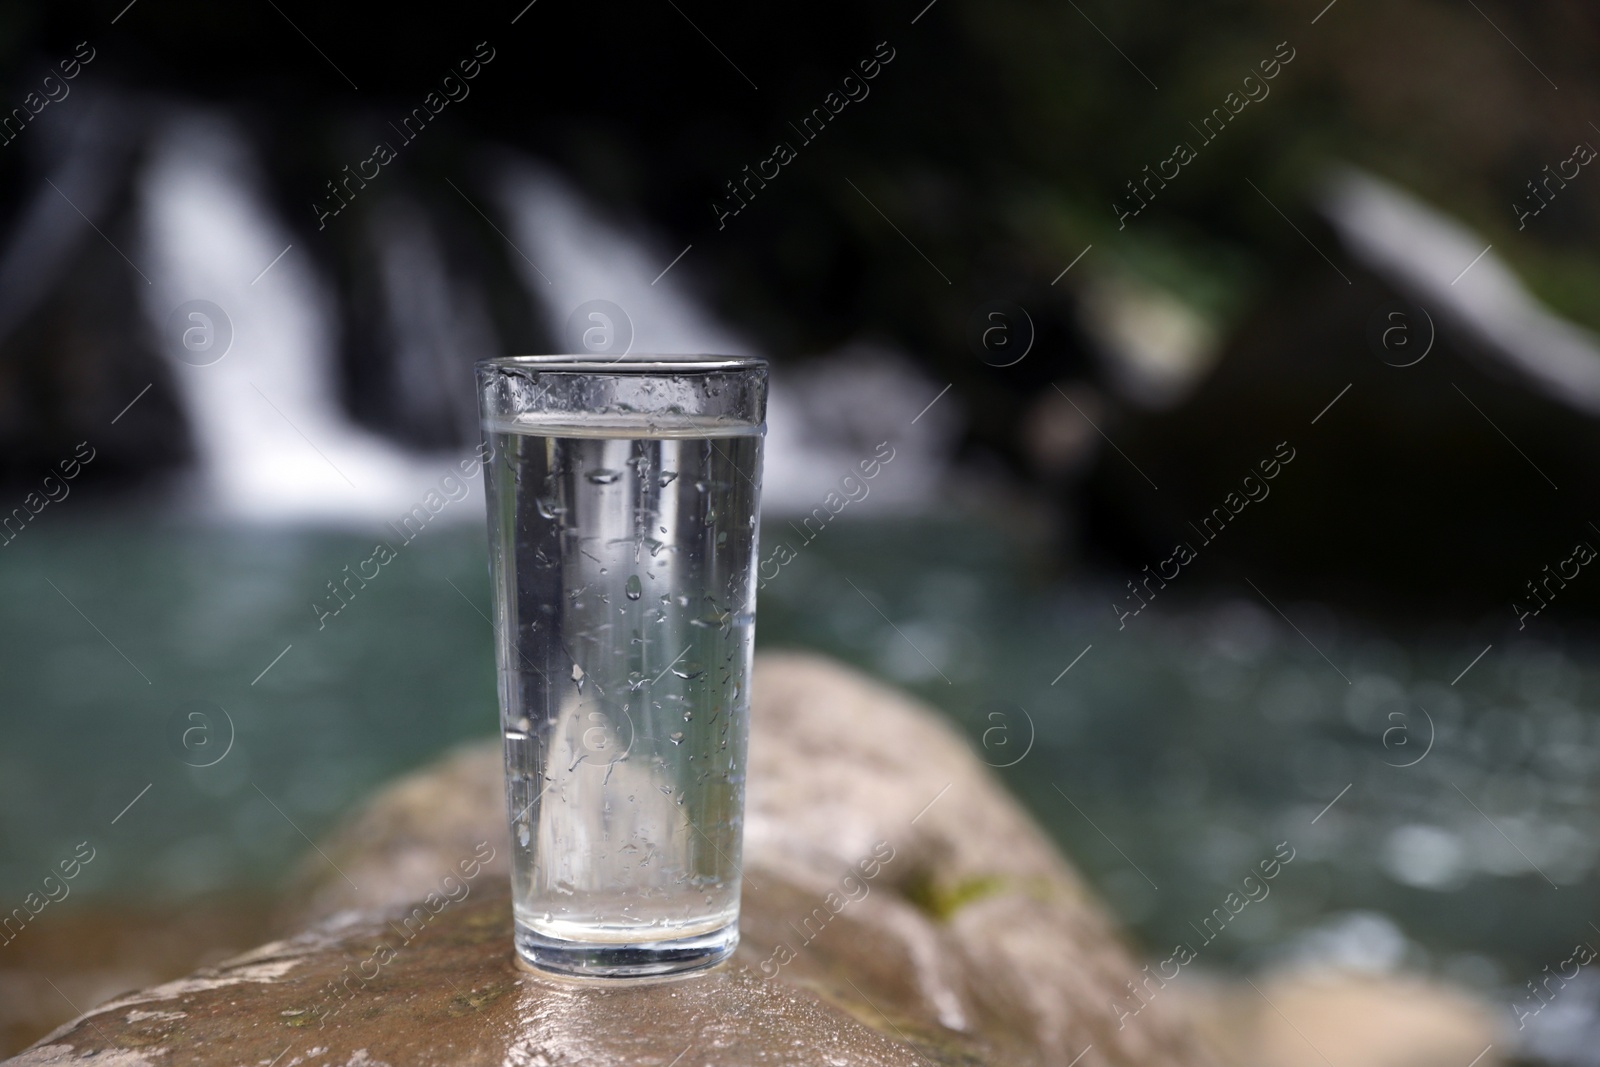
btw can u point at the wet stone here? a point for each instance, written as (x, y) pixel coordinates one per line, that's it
(899, 908)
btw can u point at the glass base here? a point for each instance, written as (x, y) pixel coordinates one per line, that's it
(627, 959)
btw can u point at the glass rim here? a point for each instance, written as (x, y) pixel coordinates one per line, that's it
(644, 364)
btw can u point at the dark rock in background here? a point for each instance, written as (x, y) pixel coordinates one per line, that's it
(75, 346)
(1446, 484)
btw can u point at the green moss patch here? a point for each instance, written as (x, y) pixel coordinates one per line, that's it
(942, 900)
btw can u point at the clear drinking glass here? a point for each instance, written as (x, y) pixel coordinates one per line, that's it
(623, 501)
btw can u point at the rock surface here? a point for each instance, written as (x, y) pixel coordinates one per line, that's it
(1312, 1019)
(974, 942)
(1381, 508)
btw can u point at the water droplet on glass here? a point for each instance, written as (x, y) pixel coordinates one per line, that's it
(547, 510)
(603, 476)
(577, 676)
(676, 737)
(666, 478)
(634, 588)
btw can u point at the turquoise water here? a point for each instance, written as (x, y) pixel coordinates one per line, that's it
(1169, 760)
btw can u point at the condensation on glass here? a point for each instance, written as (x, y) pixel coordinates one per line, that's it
(623, 502)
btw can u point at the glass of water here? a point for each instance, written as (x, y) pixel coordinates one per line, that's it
(623, 499)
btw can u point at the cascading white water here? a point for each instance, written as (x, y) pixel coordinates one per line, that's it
(1439, 260)
(275, 445)
(821, 423)
(273, 442)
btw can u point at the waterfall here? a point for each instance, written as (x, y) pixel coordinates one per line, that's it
(1449, 267)
(274, 443)
(822, 421)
